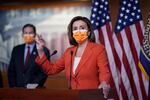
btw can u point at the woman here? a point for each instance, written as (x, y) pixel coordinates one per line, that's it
(85, 63)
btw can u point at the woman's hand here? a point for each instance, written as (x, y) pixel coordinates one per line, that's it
(105, 87)
(40, 43)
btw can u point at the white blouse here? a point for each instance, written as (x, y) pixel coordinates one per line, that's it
(76, 62)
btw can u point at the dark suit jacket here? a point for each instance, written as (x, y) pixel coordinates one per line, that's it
(20, 77)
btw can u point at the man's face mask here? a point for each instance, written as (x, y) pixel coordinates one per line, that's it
(80, 35)
(28, 38)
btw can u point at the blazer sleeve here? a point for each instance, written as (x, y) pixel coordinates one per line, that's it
(51, 68)
(104, 73)
(12, 70)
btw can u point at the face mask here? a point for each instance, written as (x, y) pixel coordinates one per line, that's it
(80, 35)
(28, 38)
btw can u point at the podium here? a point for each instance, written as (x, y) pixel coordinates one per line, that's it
(52, 94)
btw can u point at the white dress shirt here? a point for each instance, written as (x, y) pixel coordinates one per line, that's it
(75, 64)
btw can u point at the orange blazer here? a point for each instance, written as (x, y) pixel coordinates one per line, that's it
(90, 72)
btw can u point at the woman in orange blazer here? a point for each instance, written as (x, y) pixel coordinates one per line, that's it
(85, 63)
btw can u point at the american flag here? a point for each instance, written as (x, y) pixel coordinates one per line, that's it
(129, 30)
(122, 46)
(101, 22)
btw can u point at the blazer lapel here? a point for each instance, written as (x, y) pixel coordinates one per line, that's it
(74, 52)
(86, 55)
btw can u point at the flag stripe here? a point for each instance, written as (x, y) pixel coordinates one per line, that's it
(126, 84)
(126, 66)
(139, 26)
(131, 56)
(97, 36)
(137, 72)
(125, 96)
(124, 74)
(101, 37)
(123, 77)
(106, 31)
(142, 29)
(136, 38)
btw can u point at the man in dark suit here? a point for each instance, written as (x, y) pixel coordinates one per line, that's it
(22, 69)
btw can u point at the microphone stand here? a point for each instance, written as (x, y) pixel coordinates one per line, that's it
(70, 70)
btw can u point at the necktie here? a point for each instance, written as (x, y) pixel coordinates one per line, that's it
(27, 56)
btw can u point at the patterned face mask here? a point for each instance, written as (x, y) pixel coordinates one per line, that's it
(28, 38)
(80, 35)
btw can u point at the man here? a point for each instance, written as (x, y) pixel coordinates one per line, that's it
(22, 70)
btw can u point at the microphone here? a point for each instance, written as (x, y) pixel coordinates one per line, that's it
(47, 52)
(48, 55)
(54, 52)
(71, 53)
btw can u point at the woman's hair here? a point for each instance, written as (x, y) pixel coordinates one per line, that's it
(91, 37)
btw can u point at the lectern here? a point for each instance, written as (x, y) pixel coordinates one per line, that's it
(52, 94)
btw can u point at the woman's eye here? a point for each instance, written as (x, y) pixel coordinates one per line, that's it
(74, 28)
(83, 28)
